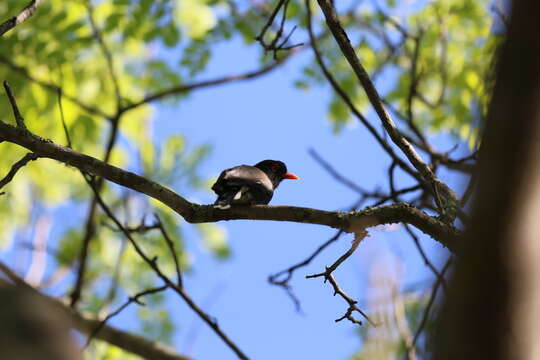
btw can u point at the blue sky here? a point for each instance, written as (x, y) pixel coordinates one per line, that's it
(268, 118)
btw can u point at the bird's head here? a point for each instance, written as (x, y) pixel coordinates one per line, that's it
(276, 171)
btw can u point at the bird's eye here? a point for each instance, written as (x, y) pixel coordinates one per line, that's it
(274, 167)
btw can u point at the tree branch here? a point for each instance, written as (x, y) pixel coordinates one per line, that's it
(152, 263)
(327, 274)
(425, 315)
(130, 342)
(20, 18)
(19, 120)
(16, 167)
(90, 225)
(106, 53)
(451, 200)
(194, 213)
(283, 281)
(348, 101)
(213, 82)
(131, 299)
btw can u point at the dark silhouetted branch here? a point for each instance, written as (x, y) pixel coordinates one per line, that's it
(152, 263)
(348, 101)
(106, 53)
(425, 315)
(170, 245)
(450, 203)
(328, 276)
(16, 167)
(19, 120)
(283, 281)
(89, 229)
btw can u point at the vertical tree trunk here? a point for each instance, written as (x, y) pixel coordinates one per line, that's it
(492, 309)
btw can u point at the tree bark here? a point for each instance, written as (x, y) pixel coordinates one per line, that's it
(492, 309)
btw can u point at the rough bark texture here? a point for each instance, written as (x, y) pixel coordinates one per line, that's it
(478, 318)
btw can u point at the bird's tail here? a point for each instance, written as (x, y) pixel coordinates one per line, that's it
(225, 200)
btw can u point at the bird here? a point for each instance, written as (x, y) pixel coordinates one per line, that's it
(250, 185)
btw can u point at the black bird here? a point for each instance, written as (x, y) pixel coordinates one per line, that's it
(250, 185)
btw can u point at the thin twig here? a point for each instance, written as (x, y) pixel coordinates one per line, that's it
(423, 254)
(16, 167)
(327, 274)
(89, 231)
(106, 53)
(284, 283)
(281, 25)
(141, 228)
(206, 83)
(273, 45)
(330, 269)
(19, 120)
(170, 245)
(270, 20)
(64, 125)
(352, 305)
(343, 95)
(413, 89)
(431, 301)
(451, 201)
(20, 18)
(130, 300)
(330, 169)
(404, 32)
(153, 264)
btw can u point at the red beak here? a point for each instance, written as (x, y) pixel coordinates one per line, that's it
(290, 176)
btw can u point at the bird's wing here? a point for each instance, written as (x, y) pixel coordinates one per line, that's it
(240, 176)
(249, 174)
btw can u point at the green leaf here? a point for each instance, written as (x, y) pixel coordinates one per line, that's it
(170, 34)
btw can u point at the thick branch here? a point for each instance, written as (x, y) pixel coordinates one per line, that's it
(195, 213)
(130, 342)
(124, 340)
